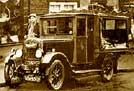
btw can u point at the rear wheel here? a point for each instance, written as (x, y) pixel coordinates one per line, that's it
(56, 76)
(107, 70)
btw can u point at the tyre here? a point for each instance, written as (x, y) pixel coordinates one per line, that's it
(56, 76)
(8, 72)
(10, 76)
(107, 70)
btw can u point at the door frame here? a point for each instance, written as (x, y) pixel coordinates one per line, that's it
(76, 37)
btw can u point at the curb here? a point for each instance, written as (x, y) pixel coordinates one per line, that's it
(125, 70)
(3, 85)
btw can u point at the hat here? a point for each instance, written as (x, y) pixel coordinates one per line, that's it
(34, 15)
(3, 1)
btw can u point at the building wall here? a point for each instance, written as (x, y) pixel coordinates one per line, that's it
(42, 6)
(36, 6)
(103, 2)
(61, 6)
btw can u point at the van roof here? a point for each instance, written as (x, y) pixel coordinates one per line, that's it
(81, 13)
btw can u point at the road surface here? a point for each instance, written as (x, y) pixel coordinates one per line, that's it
(120, 82)
(123, 81)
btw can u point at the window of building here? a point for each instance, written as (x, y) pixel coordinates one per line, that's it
(55, 8)
(68, 7)
(60, 6)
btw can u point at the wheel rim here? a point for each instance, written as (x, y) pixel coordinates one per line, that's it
(56, 75)
(108, 71)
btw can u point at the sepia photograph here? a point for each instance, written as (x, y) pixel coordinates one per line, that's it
(66, 45)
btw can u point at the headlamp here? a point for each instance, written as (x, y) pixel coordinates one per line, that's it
(18, 53)
(38, 53)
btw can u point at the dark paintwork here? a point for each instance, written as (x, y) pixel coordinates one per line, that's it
(63, 46)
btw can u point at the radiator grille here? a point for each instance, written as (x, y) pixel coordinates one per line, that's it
(30, 53)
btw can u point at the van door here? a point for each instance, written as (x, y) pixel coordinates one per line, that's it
(81, 40)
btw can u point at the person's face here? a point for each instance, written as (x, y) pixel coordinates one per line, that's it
(33, 18)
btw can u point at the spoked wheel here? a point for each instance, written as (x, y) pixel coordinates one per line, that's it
(56, 75)
(107, 70)
(8, 72)
(10, 77)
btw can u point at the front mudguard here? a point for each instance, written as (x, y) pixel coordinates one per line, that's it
(11, 58)
(49, 57)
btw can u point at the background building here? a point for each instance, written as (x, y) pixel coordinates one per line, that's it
(127, 6)
(106, 3)
(11, 29)
(46, 6)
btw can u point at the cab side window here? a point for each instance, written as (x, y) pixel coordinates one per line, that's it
(58, 26)
(81, 26)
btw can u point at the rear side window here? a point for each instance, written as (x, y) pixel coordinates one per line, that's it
(114, 30)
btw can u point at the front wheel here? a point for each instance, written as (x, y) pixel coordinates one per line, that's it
(56, 75)
(10, 76)
(107, 70)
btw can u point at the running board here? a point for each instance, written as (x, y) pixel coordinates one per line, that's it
(86, 71)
